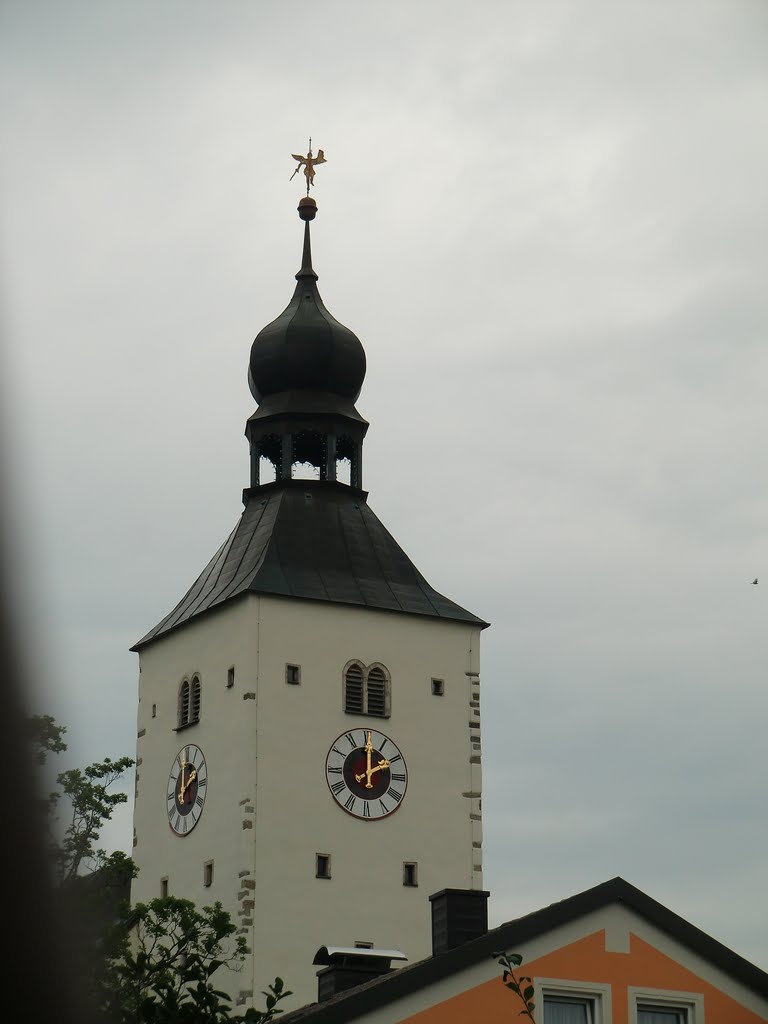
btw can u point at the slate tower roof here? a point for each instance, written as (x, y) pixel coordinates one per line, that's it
(313, 539)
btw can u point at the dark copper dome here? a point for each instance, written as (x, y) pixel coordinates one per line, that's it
(305, 348)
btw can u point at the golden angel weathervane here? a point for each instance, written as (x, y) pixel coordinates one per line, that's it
(309, 162)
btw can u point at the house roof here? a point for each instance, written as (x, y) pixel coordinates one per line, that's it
(315, 540)
(353, 1003)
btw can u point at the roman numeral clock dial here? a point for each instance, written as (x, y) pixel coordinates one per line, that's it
(187, 789)
(366, 774)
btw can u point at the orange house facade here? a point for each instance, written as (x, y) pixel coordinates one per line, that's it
(611, 955)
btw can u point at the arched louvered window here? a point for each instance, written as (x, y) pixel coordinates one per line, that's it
(366, 690)
(184, 703)
(377, 692)
(194, 714)
(353, 689)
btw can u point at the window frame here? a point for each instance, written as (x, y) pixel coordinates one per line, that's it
(185, 706)
(597, 994)
(411, 868)
(640, 998)
(327, 858)
(291, 668)
(195, 699)
(376, 667)
(184, 695)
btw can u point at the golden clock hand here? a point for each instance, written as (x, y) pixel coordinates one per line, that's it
(183, 785)
(369, 785)
(368, 752)
(190, 779)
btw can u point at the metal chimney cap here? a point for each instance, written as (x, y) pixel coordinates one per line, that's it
(351, 954)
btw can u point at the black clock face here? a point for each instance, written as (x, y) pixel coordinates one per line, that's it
(366, 774)
(187, 789)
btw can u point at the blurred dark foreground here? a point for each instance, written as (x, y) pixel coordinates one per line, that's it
(42, 936)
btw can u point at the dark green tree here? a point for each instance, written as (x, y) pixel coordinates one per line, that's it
(150, 964)
(160, 968)
(85, 796)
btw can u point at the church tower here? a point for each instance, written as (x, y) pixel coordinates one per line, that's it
(308, 725)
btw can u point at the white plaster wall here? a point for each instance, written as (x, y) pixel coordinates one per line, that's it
(266, 760)
(225, 734)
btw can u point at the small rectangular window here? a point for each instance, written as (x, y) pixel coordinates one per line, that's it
(322, 865)
(208, 873)
(163, 887)
(410, 873)
(231, 676)
(360, 944)
(293, 674)
(154, 710)
(438, 687)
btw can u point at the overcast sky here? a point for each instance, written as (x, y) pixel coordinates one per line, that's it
(547, 223)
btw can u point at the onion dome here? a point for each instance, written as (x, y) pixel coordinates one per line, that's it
(305, 348)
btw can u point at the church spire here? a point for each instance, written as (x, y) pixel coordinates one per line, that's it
(306, 370)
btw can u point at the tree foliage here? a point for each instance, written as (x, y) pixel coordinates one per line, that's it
(86, 798)
(150, 964)
(160, 969)
(522, 987)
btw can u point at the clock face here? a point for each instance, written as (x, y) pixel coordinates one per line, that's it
(366, 774)
(187, 788)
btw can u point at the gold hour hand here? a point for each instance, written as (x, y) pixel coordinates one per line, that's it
(383, 763)
(190, 779)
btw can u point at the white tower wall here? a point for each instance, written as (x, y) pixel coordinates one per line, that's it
(268, 809)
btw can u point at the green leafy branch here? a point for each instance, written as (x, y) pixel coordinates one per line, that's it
(522, 986)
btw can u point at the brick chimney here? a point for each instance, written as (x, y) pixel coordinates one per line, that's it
(458, 915)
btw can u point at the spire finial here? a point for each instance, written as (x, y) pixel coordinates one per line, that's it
(309, 162)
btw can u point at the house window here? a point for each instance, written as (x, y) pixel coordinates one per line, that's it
(410, 873)
(154, 710)
(660, 1015)
(231, 676)
(293, 674)
(438, 687)
(322, 865)
(660, 1006)
(562, 1010)
(208, 873)
(163, 888)
(363, 944)
(571, 1002)
(366, 690)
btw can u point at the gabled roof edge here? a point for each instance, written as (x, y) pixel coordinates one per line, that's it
(374, 994)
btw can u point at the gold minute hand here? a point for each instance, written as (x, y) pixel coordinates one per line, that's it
(183, 785)
(381, 765)
(368, 752)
